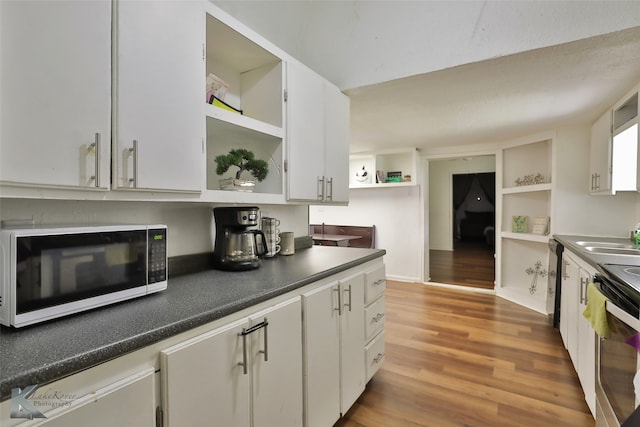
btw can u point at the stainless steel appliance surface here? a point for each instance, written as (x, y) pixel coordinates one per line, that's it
(617, 356)
(46, 273)
(237, 246)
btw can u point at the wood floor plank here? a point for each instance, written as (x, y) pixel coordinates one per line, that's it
(466, 359)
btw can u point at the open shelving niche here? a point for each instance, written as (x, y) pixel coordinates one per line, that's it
(521, 280)
(401, 160)
(256, 80)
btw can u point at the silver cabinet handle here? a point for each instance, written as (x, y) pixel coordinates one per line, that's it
(134, 153)
(378, 357)
(248, 331)
(339, 309)
(96, 150)
(583, 290)
(349, 303)
(320, 188)
(378, 282)
(245, 370)
(564, 269)
(378, 317)
(330, 189)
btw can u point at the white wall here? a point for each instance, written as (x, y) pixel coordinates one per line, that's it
(398, 217)
(191, 225)
(440, 195)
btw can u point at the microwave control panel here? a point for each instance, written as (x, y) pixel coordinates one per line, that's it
(157, 238)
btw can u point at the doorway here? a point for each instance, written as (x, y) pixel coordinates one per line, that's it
(462, 222)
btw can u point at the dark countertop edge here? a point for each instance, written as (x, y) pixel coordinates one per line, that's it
(70, 366)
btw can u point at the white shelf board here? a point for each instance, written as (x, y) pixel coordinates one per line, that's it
(527, 188)
(529, 237)
(384, 185)
(243, 122)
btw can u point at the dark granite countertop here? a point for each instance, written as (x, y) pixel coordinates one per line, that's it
(46, 352)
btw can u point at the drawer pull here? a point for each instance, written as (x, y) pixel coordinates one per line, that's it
(378, 317)
(378, 358)
(378, 282)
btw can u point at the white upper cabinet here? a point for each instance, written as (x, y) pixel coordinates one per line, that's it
(249, 112)
(318, 132)
(159, 84)
(625, 174)
(56, 93)
(336, 130)
(600, 162)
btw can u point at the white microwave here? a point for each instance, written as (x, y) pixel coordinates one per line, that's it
(48, 273)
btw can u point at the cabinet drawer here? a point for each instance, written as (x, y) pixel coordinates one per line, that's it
(375, 284)
(374, 319)
(374, 355)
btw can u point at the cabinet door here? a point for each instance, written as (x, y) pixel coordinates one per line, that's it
(160, 87)
(600, 162)
(129, 403)
(352, 370)
(322, 355)
(586, 346)
(569, 307)
(305, 134)
(277, 366)
(56, 92)
(336, 130)
(202, 380)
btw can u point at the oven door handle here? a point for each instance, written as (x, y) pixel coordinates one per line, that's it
(623, 316)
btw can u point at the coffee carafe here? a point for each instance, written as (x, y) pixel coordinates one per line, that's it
(237, 247)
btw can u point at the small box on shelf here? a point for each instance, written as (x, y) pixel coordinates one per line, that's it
(519, 223)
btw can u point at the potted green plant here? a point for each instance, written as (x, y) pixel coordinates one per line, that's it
(244, 160)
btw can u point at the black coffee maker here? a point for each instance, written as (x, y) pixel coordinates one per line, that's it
(236, 247)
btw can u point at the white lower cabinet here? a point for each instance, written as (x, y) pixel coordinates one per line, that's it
(333, 349)
(343, 326)
(128, 402)
(577, 334)
(375, 284)
(247, 373)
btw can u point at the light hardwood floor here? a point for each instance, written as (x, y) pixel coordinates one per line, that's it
(470, 264)
(458, 358)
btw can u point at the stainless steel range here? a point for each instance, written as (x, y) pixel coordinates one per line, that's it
(617, 358)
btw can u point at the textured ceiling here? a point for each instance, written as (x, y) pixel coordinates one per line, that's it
(498, 99)
(437, 73)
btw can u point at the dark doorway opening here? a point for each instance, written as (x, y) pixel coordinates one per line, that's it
(472, 261)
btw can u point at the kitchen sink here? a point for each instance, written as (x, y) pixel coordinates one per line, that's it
(625, 250)
(605, 245)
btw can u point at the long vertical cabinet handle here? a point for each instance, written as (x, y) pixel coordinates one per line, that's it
(339, 309)
(349, 303)
(134, 153)
(248, 331)
(265, 324)
(320, 188)
(96, 151)
(243, 334)
(330, 189)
